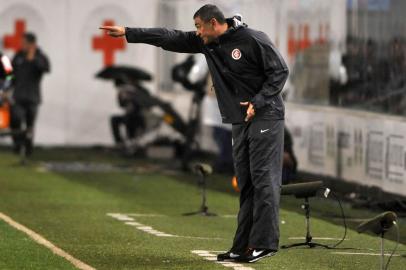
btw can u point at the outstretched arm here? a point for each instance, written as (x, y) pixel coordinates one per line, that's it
(170, 40)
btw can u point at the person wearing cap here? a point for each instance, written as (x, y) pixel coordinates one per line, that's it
(29, 64)
(248, 75)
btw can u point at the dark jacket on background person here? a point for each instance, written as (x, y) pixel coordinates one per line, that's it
(244, 65)
(28, 75)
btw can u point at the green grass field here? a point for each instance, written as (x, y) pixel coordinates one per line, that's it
(70, 209)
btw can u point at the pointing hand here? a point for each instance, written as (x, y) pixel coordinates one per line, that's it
(114, 31)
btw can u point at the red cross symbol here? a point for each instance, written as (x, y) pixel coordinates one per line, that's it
(304, 42)
(323, 33)
(108, 45)
(14, 41)
(291, 41)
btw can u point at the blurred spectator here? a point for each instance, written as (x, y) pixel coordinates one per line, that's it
(29, 66)
(370, 71)
(396, 77)
(5, 81)
(376, 79)
(221, 132)
(132, 118)
(289, 159)
(6, 71)
(337, 74)
(397, 60)
(352, 62)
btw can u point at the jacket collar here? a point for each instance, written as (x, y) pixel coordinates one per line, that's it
(234, 24)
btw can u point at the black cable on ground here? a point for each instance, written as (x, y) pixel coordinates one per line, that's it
(343, 217)
(345, 230)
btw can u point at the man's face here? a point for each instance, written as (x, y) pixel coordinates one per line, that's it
(26, 45)
(206, 30)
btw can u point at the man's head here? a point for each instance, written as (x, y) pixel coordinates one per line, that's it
(210, 23)
(29, 41)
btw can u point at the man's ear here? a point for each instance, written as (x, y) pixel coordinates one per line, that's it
(213, 22)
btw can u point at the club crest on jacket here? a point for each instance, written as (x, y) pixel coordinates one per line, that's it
(236, 54)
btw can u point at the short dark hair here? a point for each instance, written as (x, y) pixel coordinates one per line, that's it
(30, 37)
(208, 12)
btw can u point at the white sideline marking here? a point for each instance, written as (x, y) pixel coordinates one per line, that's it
(159, 215)
(228, 216)
(361, 253)
(131, 222)
(148, 229)
(207, 255)
(42, 241)
(145, 215)
(317, 238)
(121, 217)
(200, 237)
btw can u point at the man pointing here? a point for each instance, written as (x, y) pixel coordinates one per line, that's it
(248, 75)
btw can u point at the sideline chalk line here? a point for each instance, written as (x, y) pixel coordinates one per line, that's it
(209, 256)
(42, 241)
(148, 229)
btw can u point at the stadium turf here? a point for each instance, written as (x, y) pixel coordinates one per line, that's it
(70, 209)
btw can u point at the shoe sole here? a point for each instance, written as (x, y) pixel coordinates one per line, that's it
(228, 259)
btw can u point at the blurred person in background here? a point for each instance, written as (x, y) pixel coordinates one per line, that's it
(29, 64)
(289, 159)
(337, 74)
(132, 119)
(221, 132)
(352, 62)
(248, 74)
(397, 63)
(6, 75)
(396, 76)
(370, 71)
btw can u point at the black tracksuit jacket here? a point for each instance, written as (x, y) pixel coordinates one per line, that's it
(243, 63)
(28, 75)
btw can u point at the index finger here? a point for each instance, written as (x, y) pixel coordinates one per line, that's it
(106, 27)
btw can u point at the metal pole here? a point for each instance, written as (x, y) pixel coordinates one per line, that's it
(204, 207)
(307, 209)
(382, 253)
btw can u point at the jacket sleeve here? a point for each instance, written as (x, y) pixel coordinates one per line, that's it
(41, 62)
(170, 40)
(274, 67)
(14, 61)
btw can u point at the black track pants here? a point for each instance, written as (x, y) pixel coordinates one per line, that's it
(258, 153)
